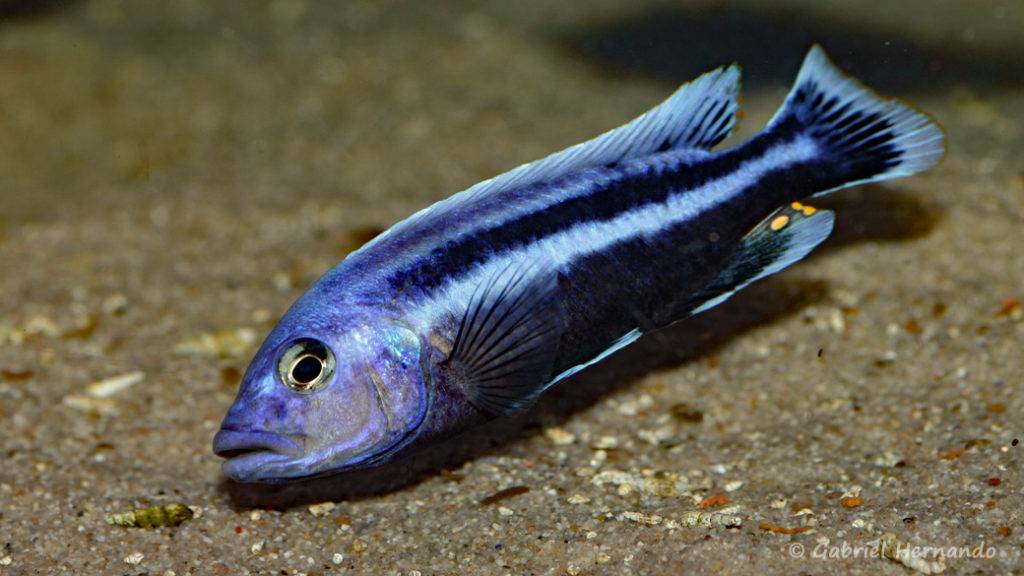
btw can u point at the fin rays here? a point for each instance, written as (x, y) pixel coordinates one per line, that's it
(782, 239)
(864, 137)
(505, 347)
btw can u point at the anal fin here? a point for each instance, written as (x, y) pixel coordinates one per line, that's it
(785, 237)
(623, 341)
(505, 348)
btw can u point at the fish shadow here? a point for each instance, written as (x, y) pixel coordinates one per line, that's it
(677, 44)
(866, 214)
(15, 10)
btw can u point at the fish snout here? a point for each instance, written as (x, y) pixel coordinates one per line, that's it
(251, 455)
(231, 443)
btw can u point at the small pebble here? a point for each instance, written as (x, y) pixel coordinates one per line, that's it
(634, 406)
(559, 436)
(42, 326)
(322, 509)
(237, 342)
(114, 303)
(733, 486)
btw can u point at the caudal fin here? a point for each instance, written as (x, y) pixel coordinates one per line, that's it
(862, 137)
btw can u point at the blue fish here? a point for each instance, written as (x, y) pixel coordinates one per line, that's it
(473, 307)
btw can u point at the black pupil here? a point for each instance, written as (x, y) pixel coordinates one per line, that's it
(307, 369)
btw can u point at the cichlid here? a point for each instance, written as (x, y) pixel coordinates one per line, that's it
(473, 307)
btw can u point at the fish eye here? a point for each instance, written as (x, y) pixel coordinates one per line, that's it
(306, 366)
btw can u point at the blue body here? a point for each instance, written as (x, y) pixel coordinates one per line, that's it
(473, 307)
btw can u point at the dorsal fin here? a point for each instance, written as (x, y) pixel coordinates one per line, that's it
(780, 240)
(504, 351)
(699, 115)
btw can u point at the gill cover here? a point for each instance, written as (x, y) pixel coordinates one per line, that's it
(375, 405)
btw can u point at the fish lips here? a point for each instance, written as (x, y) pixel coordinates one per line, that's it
(250, 453)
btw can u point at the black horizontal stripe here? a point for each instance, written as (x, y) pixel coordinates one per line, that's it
(457, 256)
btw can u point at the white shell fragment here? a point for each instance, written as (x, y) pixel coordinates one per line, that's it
(898, 550)
(109, 386)
(641, 517)
(104, 406)
(710, 519)
(691, 519)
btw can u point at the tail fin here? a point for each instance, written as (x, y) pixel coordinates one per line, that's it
(862, 136)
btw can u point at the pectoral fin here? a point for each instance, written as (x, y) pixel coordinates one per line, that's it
(505, 349)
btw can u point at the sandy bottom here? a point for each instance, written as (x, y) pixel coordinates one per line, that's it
(173, 177)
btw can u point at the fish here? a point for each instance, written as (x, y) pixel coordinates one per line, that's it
(470, 309)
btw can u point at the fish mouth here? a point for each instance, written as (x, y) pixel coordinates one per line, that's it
(229, 443)
(249, 453)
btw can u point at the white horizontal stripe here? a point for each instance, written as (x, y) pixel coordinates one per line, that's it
(651, 219)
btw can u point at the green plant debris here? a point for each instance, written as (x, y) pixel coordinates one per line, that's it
(166, 516)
